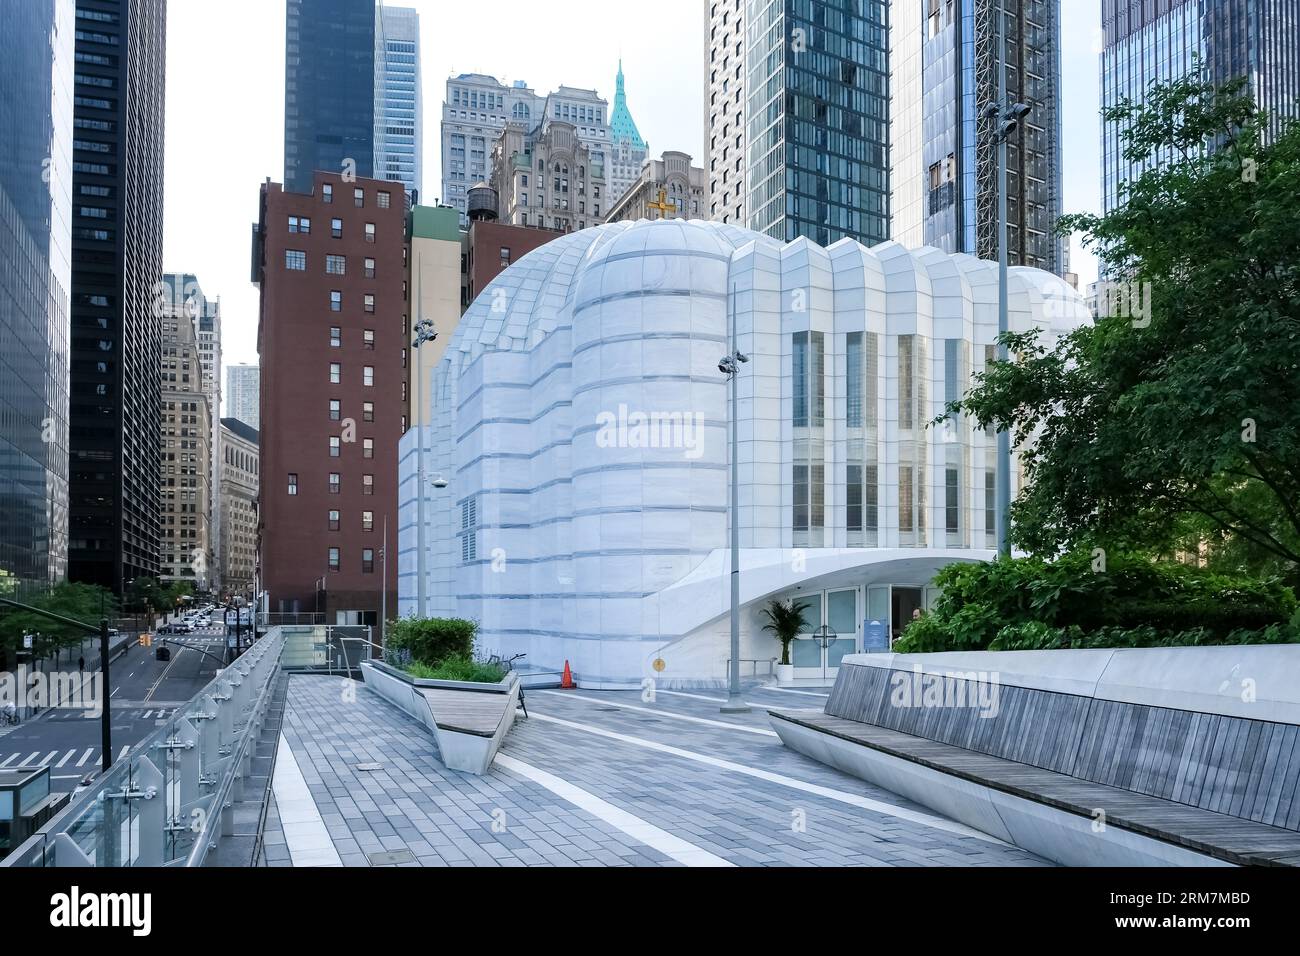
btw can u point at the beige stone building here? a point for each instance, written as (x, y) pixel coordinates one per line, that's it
(186, 467)
(668, 188)
(548, 178)
(238, 469)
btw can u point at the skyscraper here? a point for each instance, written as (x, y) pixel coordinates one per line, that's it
(118, 296)
(241, 393)
(36, 174)
(185, 464)
(1148, 42)
(944, 72)
(797, 117)
(399, 125)
(329, 109)
(627, 149)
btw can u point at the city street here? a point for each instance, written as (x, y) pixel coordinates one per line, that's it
(145, 691)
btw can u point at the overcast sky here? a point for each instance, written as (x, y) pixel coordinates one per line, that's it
(225, 106)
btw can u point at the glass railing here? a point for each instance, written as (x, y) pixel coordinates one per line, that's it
(170, 800)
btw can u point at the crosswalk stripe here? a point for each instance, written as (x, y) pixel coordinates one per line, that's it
(49, 756)
(147, 714)
(85, 756)
(66, 757)
(125, 751)
(8, 760)
(30, 757)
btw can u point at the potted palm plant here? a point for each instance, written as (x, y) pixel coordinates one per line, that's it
(785, 619)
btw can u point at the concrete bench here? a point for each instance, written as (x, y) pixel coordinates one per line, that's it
(1113, 757)
(468, 721)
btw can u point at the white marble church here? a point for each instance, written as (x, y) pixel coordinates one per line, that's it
(579, 420)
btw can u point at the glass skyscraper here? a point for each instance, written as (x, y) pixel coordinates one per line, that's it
(797, 117)
(961, 49)
(1149, 42)
(117, 232)
(329, 90)
(399, 126)
(36, 97)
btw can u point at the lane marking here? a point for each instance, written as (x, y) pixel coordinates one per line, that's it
(66, 757)
(125, 750)
(8, 760)
(663, 713)
(652, 836)
(852, 799)
(30, 757)
(49, 756)
(85, 756)
(712, 700)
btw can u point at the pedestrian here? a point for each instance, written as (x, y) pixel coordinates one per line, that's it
(81, 663)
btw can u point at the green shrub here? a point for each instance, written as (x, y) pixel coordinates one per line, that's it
(458, 667)
(1031, 604)
(430, 640)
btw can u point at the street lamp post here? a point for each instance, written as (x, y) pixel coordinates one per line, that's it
(1008, 118)
(729, 366)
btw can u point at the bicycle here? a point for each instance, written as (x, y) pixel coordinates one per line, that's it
(10, 718)
(508, 663)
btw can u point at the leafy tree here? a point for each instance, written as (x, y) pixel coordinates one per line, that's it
(81, 602)
(1177, 426)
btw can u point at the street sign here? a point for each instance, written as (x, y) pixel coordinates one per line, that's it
(27, 641)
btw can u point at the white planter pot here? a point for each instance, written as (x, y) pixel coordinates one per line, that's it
(785, 673)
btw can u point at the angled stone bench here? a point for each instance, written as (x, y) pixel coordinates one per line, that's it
(1114, 757)
(467, 720)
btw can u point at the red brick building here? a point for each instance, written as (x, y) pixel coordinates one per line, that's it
(332, 336)
(491, 247)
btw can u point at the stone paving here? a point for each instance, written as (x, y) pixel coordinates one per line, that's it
(599, 778)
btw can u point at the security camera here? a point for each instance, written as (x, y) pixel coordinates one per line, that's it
(990, 111)
(1020, 110)
(727, 366)
(1008, 128)
(742, 357)
(440, 482)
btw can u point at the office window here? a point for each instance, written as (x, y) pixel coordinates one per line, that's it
(367, 521)
(336, 337)
(370, 268)
(367, 561)
(367, 484)
(367, 411)
(952, 507)
(295, 260)
(358, 197)
(327, 193)
(336, 482)
(336, 373)
(334, 521)
(293, 483)
(336, 446)
(367, 448)
(385, 199)
(368, 338)
(370, 232)
(336, 300)
(368, 375)
(300, 224)
(334, 559)
(336, 409)
(336, 228)
(336, 265)
(369, 302)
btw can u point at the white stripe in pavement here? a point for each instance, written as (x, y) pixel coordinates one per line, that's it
(85, 756)
(791, 690)
(49, 756)
(8, 760)
(125, 750)
(30, 757)
(304, 829)
(712, 700)
(66, 757)
(663, 713)
(853, 799)
(652, 836)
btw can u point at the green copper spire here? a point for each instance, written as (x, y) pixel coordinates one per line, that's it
(621, 125)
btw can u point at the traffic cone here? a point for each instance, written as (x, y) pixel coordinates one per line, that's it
(566, 681)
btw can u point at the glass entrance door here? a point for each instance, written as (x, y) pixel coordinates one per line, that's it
(814, 657)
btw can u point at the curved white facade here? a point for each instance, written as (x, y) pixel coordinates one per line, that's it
(580, 420)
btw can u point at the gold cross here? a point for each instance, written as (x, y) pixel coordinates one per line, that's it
(663, 207)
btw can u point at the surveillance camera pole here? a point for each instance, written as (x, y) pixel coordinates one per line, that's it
(734, 704)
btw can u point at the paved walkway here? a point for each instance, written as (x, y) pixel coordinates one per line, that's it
(592, 778)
